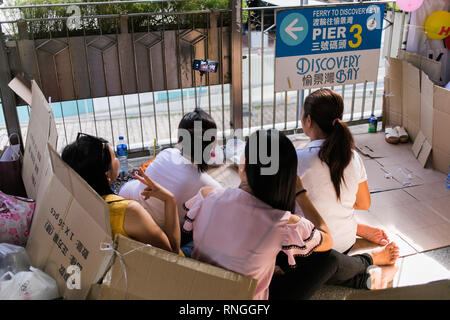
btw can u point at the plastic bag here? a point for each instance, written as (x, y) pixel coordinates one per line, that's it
(13, 259)
(234, 149)
(28, 285)
(11, 170)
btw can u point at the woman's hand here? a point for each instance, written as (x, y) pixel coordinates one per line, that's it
(153, 189)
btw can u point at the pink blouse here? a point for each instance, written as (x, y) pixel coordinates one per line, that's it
(235, 230)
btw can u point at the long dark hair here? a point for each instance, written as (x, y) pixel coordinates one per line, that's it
(187, 123)
(277, 190)
(326, 108)
(89, 156)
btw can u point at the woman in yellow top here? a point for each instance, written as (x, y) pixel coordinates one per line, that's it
(95, 161)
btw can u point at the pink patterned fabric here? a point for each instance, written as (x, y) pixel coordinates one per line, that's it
(235, 230)
(15, 219)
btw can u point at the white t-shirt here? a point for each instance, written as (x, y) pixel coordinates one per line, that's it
(316, 179)
(175, 173)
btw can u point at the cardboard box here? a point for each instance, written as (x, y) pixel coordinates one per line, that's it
(152, 273)
(425, 111)
(41, 130)
(71, 227)
(431, 67)
(70, 223)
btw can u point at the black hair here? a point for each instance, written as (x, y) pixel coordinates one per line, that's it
(196, 138)
(90, 157)
(326, 108)
(277, 190)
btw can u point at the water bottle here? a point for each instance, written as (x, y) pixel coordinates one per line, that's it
(447, 185)
(373, 122)
(122, 154)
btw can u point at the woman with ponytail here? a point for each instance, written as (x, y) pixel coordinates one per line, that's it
(333, 172)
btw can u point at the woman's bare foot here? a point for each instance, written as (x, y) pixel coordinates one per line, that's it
(386, 256)
(380, 277)
(374, 281)
(372, 234)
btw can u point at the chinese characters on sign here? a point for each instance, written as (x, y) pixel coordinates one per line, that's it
(327, 46)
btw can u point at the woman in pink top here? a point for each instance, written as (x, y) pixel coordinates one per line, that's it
(237, 230)
(251, 228)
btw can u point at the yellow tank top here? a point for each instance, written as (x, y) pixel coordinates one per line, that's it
(117, 207)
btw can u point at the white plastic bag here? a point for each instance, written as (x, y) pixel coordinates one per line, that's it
(234, 149)
(13, 258)
(28, 285)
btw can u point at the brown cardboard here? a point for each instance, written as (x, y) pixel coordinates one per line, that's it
(441, 160)
(378, 178)
(394, 91)
(404, 174)
(41, 130)
(418, 143)
(441, 100)
(438, 290)
(424, 153)
(429, 237)
(411, 99)
(429, 191)
(441, 129)
(153, 273)
(371, 145)
(70, 222)
(441, 206)
(441, 132)
(21, 90)
(431, 67)
(385, 153)
(426, 107)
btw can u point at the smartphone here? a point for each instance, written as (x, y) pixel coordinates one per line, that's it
(205, 65)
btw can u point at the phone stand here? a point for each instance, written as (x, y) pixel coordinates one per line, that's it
(200, 91)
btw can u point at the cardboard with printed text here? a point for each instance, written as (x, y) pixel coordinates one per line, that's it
(151, 273)
(70, 223)
(41, 130)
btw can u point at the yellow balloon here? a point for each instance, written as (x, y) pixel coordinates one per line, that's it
(437, 25)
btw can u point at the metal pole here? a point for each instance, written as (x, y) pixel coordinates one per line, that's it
(7, 95)
(236, 64)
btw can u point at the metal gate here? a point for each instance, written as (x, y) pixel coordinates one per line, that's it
(130, 74)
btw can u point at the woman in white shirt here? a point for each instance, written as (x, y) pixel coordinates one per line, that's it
(180, 170)
(332, 171)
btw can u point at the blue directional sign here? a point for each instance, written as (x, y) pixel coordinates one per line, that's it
(295, 28)
(340, 43)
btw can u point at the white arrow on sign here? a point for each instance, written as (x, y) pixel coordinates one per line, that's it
(290, 29)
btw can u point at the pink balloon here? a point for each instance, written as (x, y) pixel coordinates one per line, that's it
(409, 5)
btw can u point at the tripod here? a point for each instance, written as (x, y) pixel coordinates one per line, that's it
(200, 91)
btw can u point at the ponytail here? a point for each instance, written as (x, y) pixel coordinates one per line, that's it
(326, 108)
(336, 152)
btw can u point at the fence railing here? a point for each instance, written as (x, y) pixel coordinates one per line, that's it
(136, 79)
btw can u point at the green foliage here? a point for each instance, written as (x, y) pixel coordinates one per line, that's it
(57, 27)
